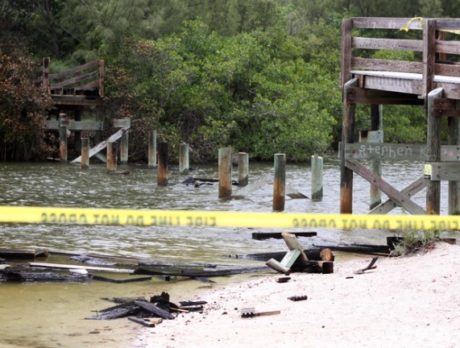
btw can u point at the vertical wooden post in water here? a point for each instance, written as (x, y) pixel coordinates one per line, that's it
(316, 178)
(111, 156)
(63, 123)
(279, 184)
(225, 172)
(454, 186)
(243, 169)
(152, 149)
(184, 158)
(162, 171)
(376, 126)
(348, 127)
(433, 152)
(84, 161)
(124, 147)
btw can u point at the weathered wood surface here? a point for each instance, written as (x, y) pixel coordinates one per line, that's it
(162, 169)
(357, 95)
(225, 172)
(409, 191)
(429, 55)
(346, 43)
(279, 182)
(154, 309)
(388, 44)
(453, 137)
(120, 281)
(358, 63)
(386, 23)
(390, 191)
(88, 268)
(20, 254)
(76, 125)
(243, 169)
(24, 274)
(277, 235)
(444, 171)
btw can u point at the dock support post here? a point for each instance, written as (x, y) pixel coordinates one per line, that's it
(225, 172)
(162, 171)
(376, 125)
(84, 161)
(152, 149)
(124, 148)
(243, 169)
(433, 152)
(111, 157)
(346, 174)
(63, 123)
(184, 161)
(316, 178)
(454, 186)
(279, 184)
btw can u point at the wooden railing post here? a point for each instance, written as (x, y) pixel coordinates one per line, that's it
(433, 152)
(63, 123)
(225, 172)
(376, 125)
(162, 171)
(84, 161)
(279, 184)
(429, 55)
(111, 157)
(454, 186)
(45, 76)
(124, 141)
(152, 149)
(316, 178)
(347, 26)
(101, 70)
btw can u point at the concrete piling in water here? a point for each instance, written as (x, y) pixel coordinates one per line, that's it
(316, 178)
(124, 148)
(152, 149)
(243, 169)
(279, 184)
(162, 170)
(84, 161)
(225, 172)
(63, 123)
(111, 157)
(184, 158)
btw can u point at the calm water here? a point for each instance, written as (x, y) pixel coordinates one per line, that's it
(52, 315)
(65, 185)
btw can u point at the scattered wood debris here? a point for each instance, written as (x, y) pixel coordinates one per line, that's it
(251, 312)
(298, 298)
(368, 267)
(277, 235)
(283, 279)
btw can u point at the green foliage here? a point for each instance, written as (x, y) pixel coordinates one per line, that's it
(416, 241)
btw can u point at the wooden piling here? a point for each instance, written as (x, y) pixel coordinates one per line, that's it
(124, 148)
(279, 184)
(433, 152)
(316, 178)
(162, 171)
(225, 172)
(454, 186)
(152, 149)
(376, 125)
(346, 174)
(111, 157)
(243, 169)
(184, 158)
(63, 123)
(84, 161)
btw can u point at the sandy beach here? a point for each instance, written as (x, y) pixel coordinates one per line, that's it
(410, 301)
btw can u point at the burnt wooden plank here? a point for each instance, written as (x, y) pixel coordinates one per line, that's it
(385, 187)
(386, 23)
(388, 44)
(154, 309)
(409, 191)
(433, 152)
(386, 65)
(277, 235)
(368, 96)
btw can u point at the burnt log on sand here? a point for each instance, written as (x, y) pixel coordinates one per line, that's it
(277, 235)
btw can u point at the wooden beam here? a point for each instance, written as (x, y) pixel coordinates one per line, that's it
(429, 55)
(386, 23)
(399, 198)
(409, 191)
(76, 125)
(358, 63)
(347, 26)
(448, 47)
(88, 268)
(376, 126)
(346, 175)
(388, 44)
(393, 84)
(443, 171)
(433, 153)
(446, 107)
(358, 95)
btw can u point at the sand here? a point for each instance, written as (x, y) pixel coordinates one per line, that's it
(411, 301)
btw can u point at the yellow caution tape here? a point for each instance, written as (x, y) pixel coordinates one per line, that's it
(96, 216)
(406, 26)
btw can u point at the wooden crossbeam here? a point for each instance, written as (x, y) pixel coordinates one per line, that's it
(409, 191)
(446, 107)
(400, 199)
(358, 95)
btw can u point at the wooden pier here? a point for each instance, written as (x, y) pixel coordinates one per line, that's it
(432, 81)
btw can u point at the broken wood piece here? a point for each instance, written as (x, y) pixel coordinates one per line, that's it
(283, 279)
(277, 235)
(120, 281)
(115, 312)
(326, 255)
(18, 254)
(192, 303)
(148, 322)
(295, 252)
(298, 298)
(250, 312)
(368, 267)
(88, 268)
(154, 309)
